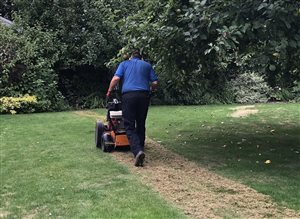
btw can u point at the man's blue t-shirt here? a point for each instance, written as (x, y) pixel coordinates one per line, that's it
(136, 75)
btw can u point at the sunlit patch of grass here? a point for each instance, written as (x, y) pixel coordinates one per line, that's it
(50, 168)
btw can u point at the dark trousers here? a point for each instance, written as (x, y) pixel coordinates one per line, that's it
(135, 108)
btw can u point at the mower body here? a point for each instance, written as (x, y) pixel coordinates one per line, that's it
(112, 134)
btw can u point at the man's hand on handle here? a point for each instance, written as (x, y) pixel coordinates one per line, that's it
(114, 81)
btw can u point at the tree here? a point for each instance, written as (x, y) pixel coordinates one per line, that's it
(200, 45)
(27, 59)
(84, 39)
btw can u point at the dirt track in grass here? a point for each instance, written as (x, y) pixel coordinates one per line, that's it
(199, 192)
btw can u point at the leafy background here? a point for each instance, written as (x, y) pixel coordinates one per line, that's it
(65, 52)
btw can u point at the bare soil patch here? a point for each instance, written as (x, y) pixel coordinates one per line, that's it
(4, 214)
(199, 192)
(243, 111)
(91, 114)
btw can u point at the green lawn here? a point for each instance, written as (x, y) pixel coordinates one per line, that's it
(51, 169)
(238, 147)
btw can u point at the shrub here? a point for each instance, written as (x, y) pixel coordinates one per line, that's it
(90, 102)
(27, 58)
(13, 105)
(287, 94)
(250, 87)
(296, 91)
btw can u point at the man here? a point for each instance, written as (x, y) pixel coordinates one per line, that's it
(138, 78)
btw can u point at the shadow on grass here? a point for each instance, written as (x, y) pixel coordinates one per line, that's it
(264, 156)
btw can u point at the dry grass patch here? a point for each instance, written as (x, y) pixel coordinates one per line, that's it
(4, 214)
(243, 111)
(90, 114)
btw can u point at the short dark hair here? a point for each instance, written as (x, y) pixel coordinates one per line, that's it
(136, 54)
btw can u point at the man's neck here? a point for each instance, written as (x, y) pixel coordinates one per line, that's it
(136, 58)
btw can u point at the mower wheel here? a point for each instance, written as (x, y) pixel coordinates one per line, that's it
(98, 133)
(106, 143)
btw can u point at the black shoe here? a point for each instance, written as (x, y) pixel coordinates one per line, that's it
(139, 159)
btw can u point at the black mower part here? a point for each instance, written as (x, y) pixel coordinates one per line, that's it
(107, 143)
(98, 133)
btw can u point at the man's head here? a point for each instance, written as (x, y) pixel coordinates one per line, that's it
(136, 54)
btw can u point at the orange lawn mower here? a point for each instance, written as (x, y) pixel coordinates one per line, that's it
(111, 135)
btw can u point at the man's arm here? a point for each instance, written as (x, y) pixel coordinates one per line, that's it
(114, 81)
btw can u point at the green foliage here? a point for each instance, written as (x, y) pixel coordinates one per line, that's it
(296, 91)
(85, 32)
(7, 7)
(28, 56)
(287, 94)
(84, 86)
(199, 45)
(249, 35)
(51, 37)
(13, 105)
(250, 87)
(195, 46)
(92, 101)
